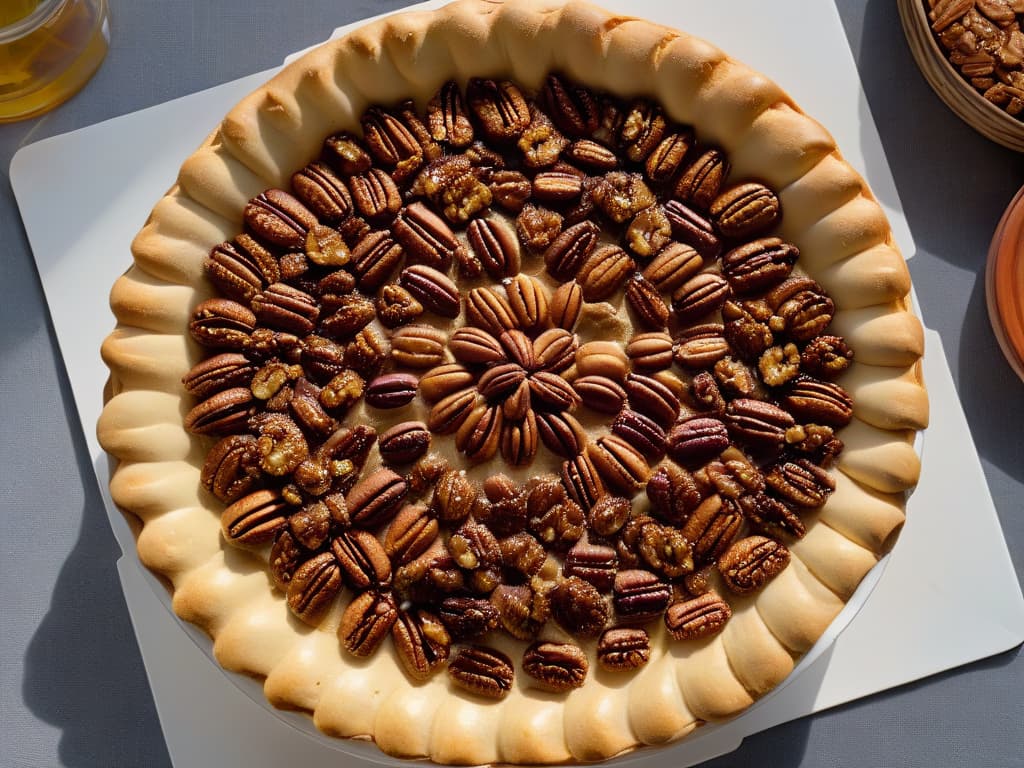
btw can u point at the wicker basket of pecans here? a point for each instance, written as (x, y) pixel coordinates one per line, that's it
(972, 54)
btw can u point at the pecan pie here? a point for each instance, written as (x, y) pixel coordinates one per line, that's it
(514, 383)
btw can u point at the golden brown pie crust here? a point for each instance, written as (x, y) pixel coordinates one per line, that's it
(845, 244)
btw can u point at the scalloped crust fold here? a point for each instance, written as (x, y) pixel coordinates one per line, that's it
(845, 244)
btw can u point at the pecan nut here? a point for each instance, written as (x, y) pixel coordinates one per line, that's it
(600, 393)
(528, 301)
(700, 183)
(365, 354)
(555, 187)
(602, 358)
(622, 649)
(452, 186)
(555, 350)
(693, 442)
(500, 108)
(447, 117)
(313, 587)
(410, 534)
(376, 196)
(582, 481)
(595, 564)
(802, 307)
(818, 402)
(231, 468)
(323, 192)
(475, 346)
(215, 374)
(645, 300)
(419, 346)
(641, 432)
(673, 493)
(560, 525)
(745, 210)
(650, 351)
(521, 609)
(374, 258)
(242, 268)
(391, 390)
(426, 238)
(279, 219)
(579, 607)
(701, 346)
(483, 671)
(404, 443)
(496, 246)
(759, 265)
(396, 306)
(699, 296)
(468, 618)
(479, 436)
(572, 107)
(254, 519)
(565, 305)
(621, 195)
(561, 433)
(693, 229)
(609, 514)
(640, 596)
(642, 129)
(801, 482)
(475, 549)
(523, 554)
(222, 324)
(667, 157)
(346, 154)
(591, 155)
(511, 190)
(451, 411)
(433, 289)
(826, 357)
(223, 413)
(519, 437)
(488, 310)
(672, 266)
(750, 563)
(557, 666)
(700, 617)
(604, 272)
(421, 642)
(567, 253)
(363, 561)
(711, 528)
(652, 398)
(454, 496)
(366, 622)
(376, 497)
(759, 425)
(353, 313)
(391, 143)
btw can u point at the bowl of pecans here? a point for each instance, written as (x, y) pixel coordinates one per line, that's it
(972, 54)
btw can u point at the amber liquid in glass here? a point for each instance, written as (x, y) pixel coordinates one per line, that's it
(15, 10)
(51, 61)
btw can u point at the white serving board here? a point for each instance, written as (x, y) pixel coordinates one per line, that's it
(105, 178)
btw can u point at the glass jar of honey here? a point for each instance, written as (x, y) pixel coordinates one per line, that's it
(1004, 283)
(48, 50)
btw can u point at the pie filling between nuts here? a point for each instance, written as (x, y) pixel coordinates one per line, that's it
(531, 364)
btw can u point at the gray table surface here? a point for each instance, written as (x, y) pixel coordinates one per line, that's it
(73, 691)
